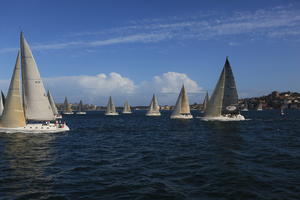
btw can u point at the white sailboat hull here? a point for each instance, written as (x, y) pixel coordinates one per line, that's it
(181, 116)
(37, 128)
(153, 114)
(112, 114)
(238, 117)
(67, 113)
(126, 112)
(80, 113)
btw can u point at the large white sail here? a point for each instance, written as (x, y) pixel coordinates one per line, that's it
(224, 99)
(127, 108)
(36, 104)
(182, 107)
(13, 113)
(110, 109)
(52, 103)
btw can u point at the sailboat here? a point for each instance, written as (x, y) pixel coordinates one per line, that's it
(259, 107)
(111, 109)
(245, 106)
(80, 109)
(182, 107)
(15, 118)
(153, 108)
(1, 105)
(53, 106)
(205, 102)
(127, 109)
(67, 108)
(281, 110)
(223, 103)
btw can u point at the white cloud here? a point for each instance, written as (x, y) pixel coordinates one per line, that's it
(96, 89)
(280, 22)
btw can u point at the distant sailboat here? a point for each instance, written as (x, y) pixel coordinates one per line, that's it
(14, 118)
(127, 109)
(67, 108)
(182, 107)
(53, 106)
(259, 107)
(111, 109)
(153, 108)
(245, 106)
(80, 109)
(205, 102)
(1, 105)
(282, 110)
(223, 103)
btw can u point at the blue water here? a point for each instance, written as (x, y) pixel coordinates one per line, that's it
(138, 157)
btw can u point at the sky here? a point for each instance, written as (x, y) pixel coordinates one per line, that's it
(131, 49)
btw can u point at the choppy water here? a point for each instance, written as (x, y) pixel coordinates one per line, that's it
(134, 157)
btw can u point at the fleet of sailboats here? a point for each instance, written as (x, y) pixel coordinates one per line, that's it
(153, 108)
(182, 107)
(27, 107)
(111, 109)
(223, 103)
(127, 109)
(31, 111)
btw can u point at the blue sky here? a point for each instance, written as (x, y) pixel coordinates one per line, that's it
(130, 49)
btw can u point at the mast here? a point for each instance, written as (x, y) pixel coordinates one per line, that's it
(35, 100)
(13, 113)
(52, 103)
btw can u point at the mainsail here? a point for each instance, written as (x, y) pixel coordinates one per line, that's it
(13, 113)
(127, 108)
(110, 106)
(154, 107)
(35, 100)
(52, 103)
(67, 106)
(224, 99)
(182, 104)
